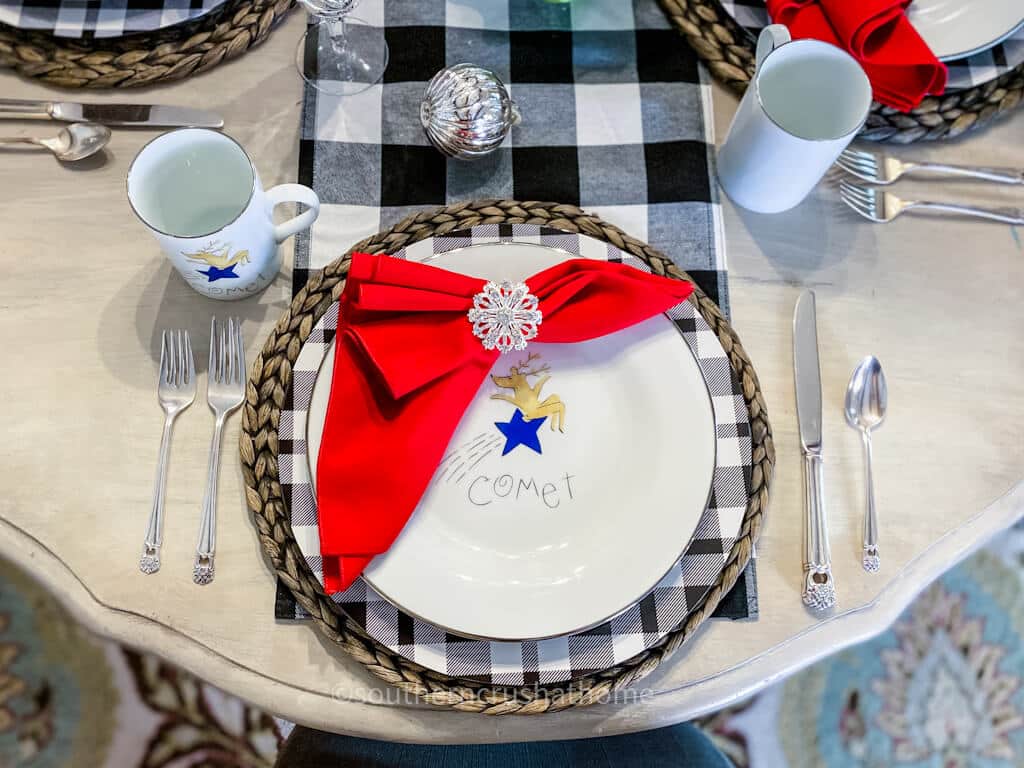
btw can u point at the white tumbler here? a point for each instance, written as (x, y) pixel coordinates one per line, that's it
(805, 103)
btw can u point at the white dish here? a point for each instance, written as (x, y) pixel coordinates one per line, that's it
(978, 49)
(531, 545)
(954, 29)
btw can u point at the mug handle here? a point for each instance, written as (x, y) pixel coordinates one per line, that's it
(771, 37)
(294, 193)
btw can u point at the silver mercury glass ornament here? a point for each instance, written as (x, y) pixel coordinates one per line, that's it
(467, 112)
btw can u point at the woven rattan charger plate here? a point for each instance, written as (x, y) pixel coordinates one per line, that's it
(728, 51)
(265, 395)
(147, 58)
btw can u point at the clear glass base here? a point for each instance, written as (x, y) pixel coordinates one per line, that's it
(342, 57)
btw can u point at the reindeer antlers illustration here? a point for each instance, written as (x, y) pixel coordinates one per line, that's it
(211, 248)
(522, 364)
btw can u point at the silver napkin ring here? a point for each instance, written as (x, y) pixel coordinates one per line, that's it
(505, 316)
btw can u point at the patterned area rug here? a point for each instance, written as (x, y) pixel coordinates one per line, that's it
(69, 700)
(942, 689)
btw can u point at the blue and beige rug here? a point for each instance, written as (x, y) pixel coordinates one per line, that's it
(944, 688)
(70, 700)
(941, 689)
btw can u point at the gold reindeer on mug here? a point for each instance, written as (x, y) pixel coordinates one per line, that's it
(218, 255)
(527, 398)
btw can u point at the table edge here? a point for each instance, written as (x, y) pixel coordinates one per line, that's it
(374, 717)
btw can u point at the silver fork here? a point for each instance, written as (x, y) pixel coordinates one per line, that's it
(176, 389)
(883, 169)
(225, 390)
(883, 207)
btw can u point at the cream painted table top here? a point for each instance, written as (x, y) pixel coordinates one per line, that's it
(84, 293)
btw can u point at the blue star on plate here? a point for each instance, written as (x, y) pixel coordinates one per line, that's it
(213, 273)
(519, 431)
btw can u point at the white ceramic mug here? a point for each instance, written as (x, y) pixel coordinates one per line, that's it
(805, 103)
(199, 194)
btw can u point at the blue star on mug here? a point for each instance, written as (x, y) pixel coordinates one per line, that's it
(213, 274)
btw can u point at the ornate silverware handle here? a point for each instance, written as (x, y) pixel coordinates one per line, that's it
(202, 570)
(17, 140)
(25, 110)
(150, 560)
(819, 589)
(871, 560)
(1001, 175)
(1005, 215)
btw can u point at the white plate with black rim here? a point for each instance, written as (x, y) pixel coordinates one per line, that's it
(955, 29)
(571, 486)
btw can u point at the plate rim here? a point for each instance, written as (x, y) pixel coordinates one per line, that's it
(946, 58)
(684, 546)
(35, 12)
(966, 54)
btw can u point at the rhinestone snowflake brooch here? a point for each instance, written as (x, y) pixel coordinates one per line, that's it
(505, 316)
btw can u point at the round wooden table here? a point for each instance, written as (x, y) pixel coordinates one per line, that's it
(85, 294)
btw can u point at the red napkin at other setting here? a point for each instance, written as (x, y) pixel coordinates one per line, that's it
(407, 365)
(901, 67)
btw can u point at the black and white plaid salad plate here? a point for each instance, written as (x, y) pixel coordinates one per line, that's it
(101, 18)
(560, 658)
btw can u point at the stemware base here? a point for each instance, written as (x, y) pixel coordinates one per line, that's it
(342, 57)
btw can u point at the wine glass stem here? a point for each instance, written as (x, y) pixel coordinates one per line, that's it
(338, 31)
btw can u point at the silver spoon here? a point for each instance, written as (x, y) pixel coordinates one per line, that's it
(75, 142)
(866, 401)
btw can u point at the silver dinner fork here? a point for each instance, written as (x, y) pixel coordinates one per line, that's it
(883, 207)
(883, 169)
(225, 390)
(176, 389)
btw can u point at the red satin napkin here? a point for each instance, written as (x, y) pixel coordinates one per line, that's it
(407, 365)
(901, 67)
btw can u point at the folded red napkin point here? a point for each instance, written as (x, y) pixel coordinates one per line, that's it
(407, 365)
(900, 66)
(341, 572)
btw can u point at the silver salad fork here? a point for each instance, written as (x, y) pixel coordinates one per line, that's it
(883, 169)
(225, 391)
(176, 389)
(883, 207)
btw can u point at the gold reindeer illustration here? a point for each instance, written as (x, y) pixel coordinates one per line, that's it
(218, 255)
(527, 398)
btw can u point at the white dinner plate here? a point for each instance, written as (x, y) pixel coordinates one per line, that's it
(568, 528)
(954, 29)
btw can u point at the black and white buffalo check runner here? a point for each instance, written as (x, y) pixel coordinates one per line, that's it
(557, 659)
(101, 18)
(968, 72)
(616, 118)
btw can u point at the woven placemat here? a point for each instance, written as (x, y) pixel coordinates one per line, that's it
(265, 396)
(147, 58)
(728, 52)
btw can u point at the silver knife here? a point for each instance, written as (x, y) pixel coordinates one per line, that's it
(139, 115)
(819, 590)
